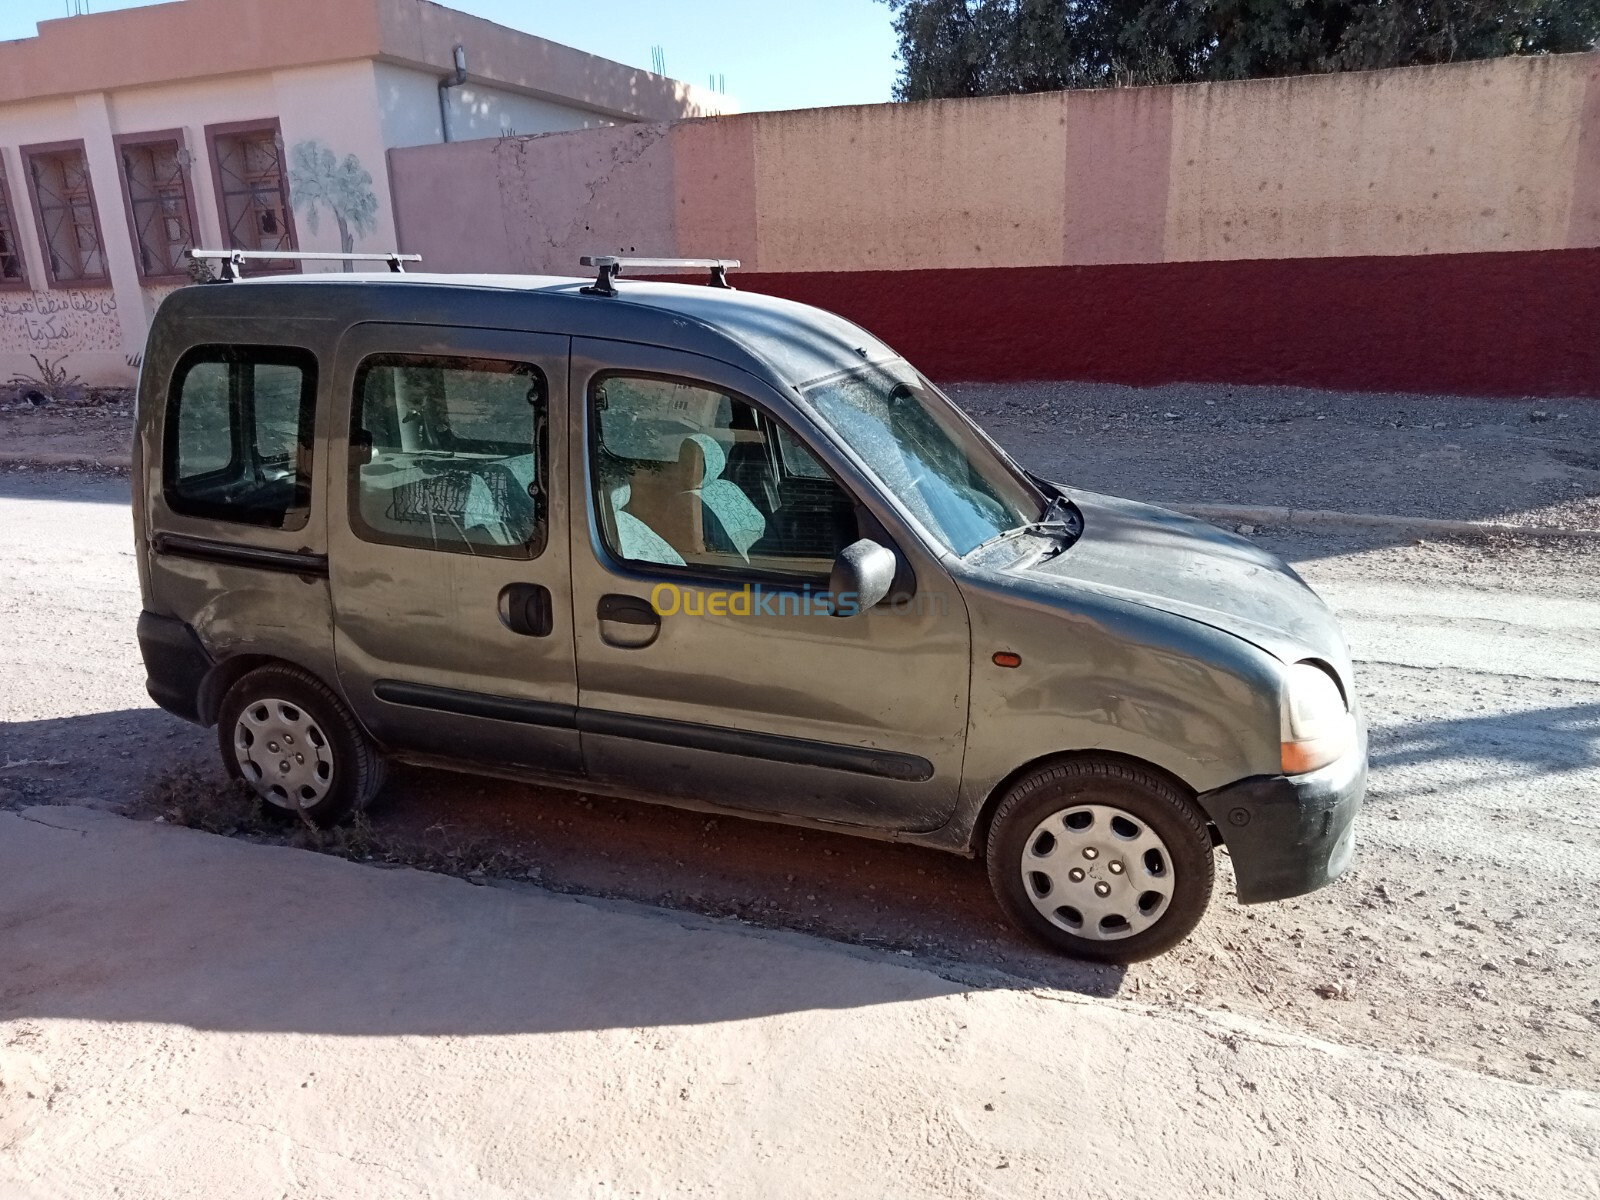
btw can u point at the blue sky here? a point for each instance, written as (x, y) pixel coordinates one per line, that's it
(773, 53)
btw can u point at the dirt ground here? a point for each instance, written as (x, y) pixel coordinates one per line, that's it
(1465, 932)
(1534, 462)
(97, 429)
(1441, 941)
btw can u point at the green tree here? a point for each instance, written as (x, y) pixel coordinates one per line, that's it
(996, 47)
(318, 179)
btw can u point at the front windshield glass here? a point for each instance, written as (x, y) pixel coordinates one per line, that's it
(910, 435)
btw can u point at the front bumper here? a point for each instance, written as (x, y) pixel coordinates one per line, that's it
(1290, 834)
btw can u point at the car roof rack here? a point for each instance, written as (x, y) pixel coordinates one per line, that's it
(233, 260)
(609, 267)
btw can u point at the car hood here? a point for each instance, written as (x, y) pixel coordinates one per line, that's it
(1165, 560)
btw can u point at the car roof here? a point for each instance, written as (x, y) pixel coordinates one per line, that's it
(783, 340)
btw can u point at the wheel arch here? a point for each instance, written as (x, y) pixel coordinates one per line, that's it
(230, 670)
(978, 836)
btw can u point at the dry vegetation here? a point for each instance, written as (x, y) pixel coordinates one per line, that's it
(192, 798)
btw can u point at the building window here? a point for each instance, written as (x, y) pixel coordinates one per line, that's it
(63, 203)
(12, 272)
(155, 184)
(252, 188)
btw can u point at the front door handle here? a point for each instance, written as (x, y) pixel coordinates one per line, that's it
(525, 608)
(628, 622)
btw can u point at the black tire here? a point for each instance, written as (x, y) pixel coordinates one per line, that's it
(354, 769)
(1150, 801)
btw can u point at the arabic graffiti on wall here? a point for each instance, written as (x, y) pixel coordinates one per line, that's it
(59, 322)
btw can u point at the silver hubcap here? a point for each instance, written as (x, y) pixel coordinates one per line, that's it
(1097, 872)
(283, 754)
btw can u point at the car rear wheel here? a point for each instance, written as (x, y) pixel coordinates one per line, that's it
(287, 736)
(1101, 860)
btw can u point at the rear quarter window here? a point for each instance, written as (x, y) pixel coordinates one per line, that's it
(240, 427)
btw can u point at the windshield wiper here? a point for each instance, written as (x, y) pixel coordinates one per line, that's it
(1059, 529)
(1055, 521)
(1057, 506)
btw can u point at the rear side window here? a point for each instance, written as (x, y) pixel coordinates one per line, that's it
(449, 454)
(239, 432)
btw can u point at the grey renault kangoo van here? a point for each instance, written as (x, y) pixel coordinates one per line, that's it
(689, 544)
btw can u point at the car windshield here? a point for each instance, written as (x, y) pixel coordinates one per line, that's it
(953, 480)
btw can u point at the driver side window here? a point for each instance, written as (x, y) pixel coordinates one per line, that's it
(688, 475)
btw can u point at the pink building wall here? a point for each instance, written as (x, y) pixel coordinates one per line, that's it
(1430, 229)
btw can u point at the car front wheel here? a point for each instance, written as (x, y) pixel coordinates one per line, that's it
(1101, 860)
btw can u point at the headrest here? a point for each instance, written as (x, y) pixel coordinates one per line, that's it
(702, 458)
(621, 494)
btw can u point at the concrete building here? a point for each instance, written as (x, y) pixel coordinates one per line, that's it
(126, 137)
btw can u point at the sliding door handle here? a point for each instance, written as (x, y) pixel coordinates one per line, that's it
(525, 608)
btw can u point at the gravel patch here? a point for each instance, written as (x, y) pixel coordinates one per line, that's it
(98, 427)
(1532, 462)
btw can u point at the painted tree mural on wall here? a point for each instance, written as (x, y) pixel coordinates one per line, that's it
(319, 178)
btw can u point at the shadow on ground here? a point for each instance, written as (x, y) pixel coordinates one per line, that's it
(1541, 741)
(286, 939)
(60, 483)
(872, 894)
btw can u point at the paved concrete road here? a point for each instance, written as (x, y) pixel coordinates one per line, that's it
(188, 1015)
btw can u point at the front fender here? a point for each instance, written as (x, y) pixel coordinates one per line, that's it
(1102, 674)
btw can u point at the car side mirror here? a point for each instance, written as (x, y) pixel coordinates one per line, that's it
(862, 576)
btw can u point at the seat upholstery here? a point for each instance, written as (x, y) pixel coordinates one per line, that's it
(729, 519)
(636, 541)
(662, 500)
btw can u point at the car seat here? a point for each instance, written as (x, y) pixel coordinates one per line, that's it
(636, 541)
(729, 520)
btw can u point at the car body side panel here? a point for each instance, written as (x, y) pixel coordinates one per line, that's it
(419, 630)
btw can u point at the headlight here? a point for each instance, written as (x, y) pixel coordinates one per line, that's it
(1316, 725)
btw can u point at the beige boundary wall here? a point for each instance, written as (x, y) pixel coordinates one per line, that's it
(1222, 230)
(1491, 156)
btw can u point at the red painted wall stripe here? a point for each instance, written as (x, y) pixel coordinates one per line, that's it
(1506, 324)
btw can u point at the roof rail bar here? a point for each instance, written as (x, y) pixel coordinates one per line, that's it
(233, 260)
(609, 267)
